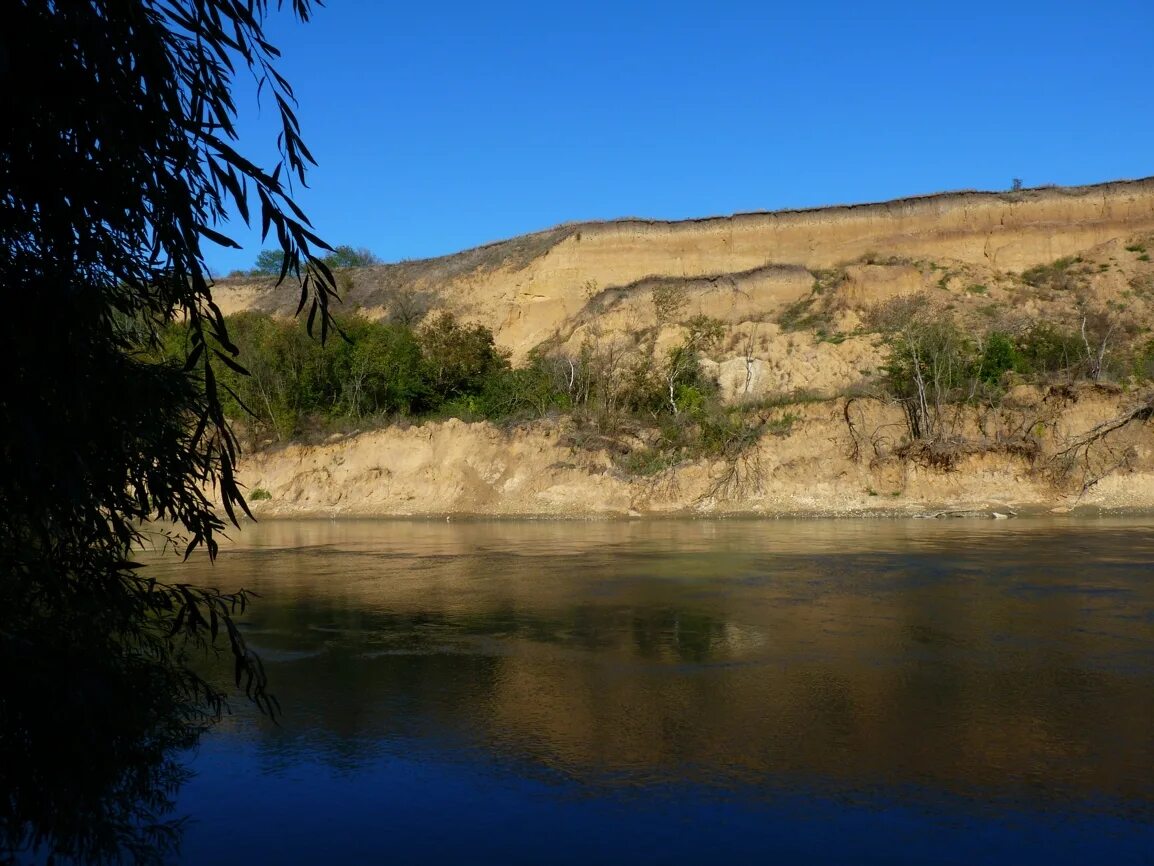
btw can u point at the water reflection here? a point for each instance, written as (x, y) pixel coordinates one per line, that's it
(1010, 665)
(90, 746)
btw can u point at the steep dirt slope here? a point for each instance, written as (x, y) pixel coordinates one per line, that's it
(802, 300)
(839, 457)
(738, 268)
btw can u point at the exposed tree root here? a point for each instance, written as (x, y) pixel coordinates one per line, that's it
(1092, 452)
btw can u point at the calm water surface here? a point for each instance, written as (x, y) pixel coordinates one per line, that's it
(688, 692)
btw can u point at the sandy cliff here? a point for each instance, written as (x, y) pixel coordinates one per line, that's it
(530, 289)
(794, 291)
(840, 457)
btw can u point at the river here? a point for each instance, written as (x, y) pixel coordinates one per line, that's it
(666, 692)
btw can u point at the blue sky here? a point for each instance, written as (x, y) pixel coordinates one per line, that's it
(441, 125)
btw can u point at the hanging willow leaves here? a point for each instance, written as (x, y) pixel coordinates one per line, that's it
(119, 163)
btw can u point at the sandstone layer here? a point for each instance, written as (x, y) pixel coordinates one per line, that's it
(537, 287)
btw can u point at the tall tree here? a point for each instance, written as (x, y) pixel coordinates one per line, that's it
(268, 262)
(345, 256)
(118, 160)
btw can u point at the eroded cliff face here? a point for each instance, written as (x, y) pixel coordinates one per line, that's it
(841, 457)
(796, 295)
(739, 268)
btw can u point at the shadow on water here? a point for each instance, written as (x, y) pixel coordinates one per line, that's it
(90, 756)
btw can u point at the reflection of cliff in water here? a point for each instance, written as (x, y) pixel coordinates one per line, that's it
(1011, 661)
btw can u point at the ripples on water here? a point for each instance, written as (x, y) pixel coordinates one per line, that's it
(676, 692)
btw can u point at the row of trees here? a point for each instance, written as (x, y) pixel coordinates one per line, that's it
(373, 368)
(441, 368)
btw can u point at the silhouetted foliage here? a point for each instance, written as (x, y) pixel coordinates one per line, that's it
(117, 161)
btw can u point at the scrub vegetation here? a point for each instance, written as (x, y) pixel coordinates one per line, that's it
(656, 407)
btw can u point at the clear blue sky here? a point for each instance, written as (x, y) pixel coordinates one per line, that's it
(442, 125)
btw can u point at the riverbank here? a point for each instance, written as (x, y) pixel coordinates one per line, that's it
(1041, 451)
(969, 352)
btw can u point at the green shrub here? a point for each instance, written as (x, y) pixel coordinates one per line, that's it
(689, 399)
(727, 432)
(799, 315)
(457, 359)
(287, 373)
(372, 368)
(532, 391)
(669, 302)
(931, 365)
(345, 256)
(999, 356)
(379, 371)
(269, 262)
(1045, 349)
(1142, 363)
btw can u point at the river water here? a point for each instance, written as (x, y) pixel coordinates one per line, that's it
(962, 691)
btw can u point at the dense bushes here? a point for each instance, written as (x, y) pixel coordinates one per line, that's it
(381, 371)
(458, 361)
(373, 369)
(1047, 350)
